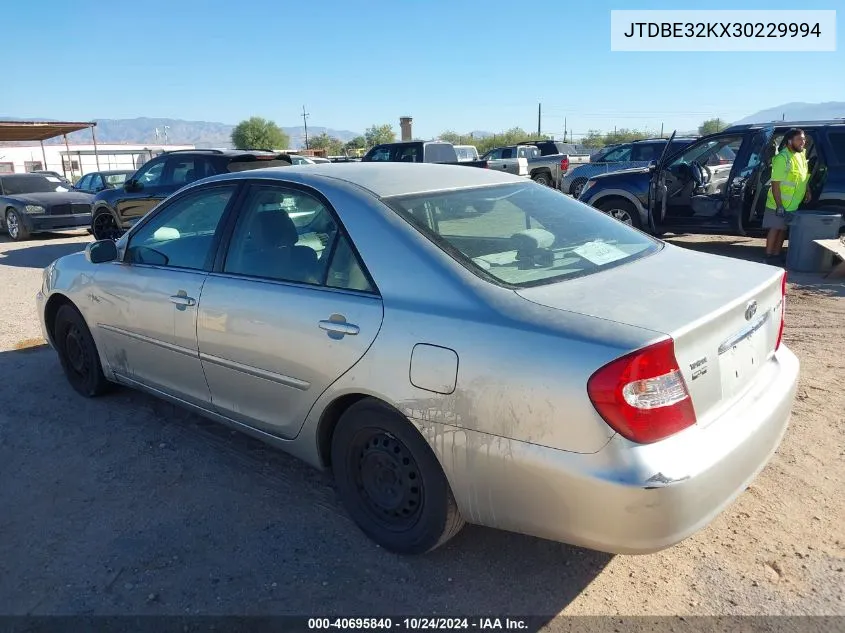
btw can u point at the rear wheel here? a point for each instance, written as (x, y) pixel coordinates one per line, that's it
(78, 353)
(542, 178)
(621, 210)
(16, 228)
(391, 482)
(104, 226)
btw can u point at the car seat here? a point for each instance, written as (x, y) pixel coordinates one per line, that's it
(270, 250)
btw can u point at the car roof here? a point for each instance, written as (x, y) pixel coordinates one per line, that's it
(224, 152)
(787, 124)
(386, 179)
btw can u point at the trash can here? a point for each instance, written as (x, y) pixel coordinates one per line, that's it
(802, 255)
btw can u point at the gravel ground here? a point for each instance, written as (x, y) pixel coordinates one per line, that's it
(127, 505)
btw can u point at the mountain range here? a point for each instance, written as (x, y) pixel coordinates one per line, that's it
(212, 134)
(179, 132)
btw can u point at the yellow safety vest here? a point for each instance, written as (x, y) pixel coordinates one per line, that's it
(794, 185)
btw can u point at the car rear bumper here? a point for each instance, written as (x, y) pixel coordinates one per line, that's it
(36, 223)
(626, 498)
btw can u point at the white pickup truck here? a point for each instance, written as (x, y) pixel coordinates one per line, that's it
(547, 161)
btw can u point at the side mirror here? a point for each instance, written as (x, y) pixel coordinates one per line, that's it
(101, 251)
(132, 185)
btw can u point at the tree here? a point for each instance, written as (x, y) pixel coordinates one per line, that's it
(359, 142)
(333, 146)
(377, 134)
(451, 137)
(711, 126)
(258, 133)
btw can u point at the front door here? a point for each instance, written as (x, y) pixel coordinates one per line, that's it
(747, 188)
(147, 303)
(287, 313)
(693, 185)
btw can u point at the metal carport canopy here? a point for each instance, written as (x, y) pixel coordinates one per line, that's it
(38, 130)
(42, 130)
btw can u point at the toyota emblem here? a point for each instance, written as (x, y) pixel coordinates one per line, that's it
(750, 310)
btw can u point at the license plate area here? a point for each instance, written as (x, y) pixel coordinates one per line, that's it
(742, 357)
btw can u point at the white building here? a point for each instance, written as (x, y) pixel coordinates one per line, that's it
(74, 161)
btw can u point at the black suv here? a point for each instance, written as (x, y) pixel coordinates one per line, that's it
(719, 183)
(620, 156)
(116, 210)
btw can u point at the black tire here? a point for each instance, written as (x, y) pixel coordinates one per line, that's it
(542, 178)
(78, 353)
(621, 210)
(104, 226)
(576, 187)
(15, 227)
(390, 481)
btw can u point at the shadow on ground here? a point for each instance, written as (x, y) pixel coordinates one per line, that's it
(127, 505)
(40, 252)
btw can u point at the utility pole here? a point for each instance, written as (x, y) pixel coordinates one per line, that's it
(539, 118)
(661, 130)
(305, 122)
(564, 129)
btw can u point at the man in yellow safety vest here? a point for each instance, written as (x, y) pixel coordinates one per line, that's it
(790, 177)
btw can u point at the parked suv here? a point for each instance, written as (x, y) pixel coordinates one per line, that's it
(638, 153)
(116, 210)
(719, 183)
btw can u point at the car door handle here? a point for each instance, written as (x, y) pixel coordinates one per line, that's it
(339, 327)
(182, 300)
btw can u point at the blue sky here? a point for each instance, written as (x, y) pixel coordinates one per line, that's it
(480, 65)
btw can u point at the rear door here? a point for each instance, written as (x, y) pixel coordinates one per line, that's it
(747, 186)
(288, 309)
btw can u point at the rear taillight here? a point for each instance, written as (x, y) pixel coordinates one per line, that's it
(643, 396)
(782, 310)
(564, 163)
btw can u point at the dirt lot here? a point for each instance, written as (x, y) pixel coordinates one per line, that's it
(128, 505)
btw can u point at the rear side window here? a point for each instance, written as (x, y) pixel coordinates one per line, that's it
(646, 151)
(440, 153)
(837, 142)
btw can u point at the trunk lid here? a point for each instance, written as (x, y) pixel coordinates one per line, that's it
(723, 314)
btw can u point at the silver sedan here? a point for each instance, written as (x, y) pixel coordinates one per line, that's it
(456, 345)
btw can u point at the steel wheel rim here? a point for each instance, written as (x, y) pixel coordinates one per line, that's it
(622, 215)
(388, 480)
(104, 226)
(75, 353)
(12, 224)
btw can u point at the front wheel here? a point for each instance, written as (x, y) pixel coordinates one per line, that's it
(78, 353)
(15, 226)
(390, 481)
(623, 211)
(576, 187)
(104, 226)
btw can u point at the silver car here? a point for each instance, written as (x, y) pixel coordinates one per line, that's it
(455, 344)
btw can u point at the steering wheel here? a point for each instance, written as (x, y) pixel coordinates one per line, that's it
(698, 175)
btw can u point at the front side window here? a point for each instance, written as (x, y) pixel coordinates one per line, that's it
(522, 234)
(85, 183)
(150, 175)
(182, 234)
(714, 152)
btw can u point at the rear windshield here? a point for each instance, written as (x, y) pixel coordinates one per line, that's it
(523, 235)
